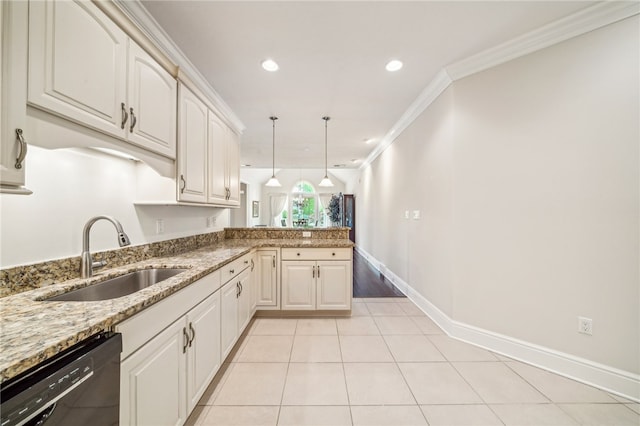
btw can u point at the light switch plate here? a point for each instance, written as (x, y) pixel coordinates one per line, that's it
(406, 214)
(416, 214)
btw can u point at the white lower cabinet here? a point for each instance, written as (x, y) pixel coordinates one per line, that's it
(165, 369)
(267, 288)
(236, 309)
(298, 285)
(316, 279)
(203, 353)
(153, 381)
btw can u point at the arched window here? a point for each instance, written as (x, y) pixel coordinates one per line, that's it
(304, 205)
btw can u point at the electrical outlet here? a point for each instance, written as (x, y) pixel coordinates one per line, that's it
(159, 226)
(585, 325)
(306, 234)
(211, 221)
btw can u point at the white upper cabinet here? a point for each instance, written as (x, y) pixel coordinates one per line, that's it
(208, 154)
(218, 134)
(233, 168)
(224, 164)
(83, 67)
(13, 76)
(192, 149)
(152, 103)
(78, 64)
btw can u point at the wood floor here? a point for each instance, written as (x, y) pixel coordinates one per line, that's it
(367, 281)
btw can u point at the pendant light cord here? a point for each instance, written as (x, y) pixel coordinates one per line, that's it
(273, 150)
(326, 120)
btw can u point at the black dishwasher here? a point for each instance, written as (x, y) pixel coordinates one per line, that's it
(80, 386)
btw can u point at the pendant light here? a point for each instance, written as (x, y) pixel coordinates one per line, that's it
(274, 180)
(325, 182)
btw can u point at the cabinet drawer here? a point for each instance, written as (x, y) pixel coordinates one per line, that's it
(232, 269)
(316, 253)
(142, 327)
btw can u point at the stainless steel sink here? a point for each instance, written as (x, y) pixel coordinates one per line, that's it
(118, 286)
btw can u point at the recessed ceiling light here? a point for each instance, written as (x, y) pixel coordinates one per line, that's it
(355, 161)
(245, 165)
(270, 65)
(369, 140)
(394, 65)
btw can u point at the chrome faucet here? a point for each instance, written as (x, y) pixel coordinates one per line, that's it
(86, 263)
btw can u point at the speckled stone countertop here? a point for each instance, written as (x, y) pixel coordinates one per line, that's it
(32, 330)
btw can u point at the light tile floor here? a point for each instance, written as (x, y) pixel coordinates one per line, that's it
(389, 364)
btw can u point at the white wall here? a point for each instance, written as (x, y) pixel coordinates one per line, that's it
(72, 185)
(527, 179)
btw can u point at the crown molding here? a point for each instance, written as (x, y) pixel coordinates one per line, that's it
(136, 12)
(438, 85)
(589, 19)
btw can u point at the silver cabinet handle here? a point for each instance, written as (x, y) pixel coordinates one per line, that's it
(274, 261)
(313, 274)
(297, 254)
(125, 115)
(134, 120)
(241, 288)
(185, 339)
(318, 271)
(22, 144)
(184, 184)
(237, 290)
(252, 265)
(193, 334)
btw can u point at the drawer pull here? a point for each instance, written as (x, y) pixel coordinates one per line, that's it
(333, 254)
(193, 334)
(185, 339)
(232, 271)
(22, 144)
(125, 116)
(297, 254)
(318, 271)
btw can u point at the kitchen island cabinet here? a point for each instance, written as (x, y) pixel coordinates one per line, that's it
(316, 278)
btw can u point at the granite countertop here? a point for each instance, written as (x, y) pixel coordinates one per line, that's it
(32, 330)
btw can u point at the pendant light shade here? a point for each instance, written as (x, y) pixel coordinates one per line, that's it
(325, 182)
(274, 180)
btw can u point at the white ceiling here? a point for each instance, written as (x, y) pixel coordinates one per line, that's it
(332, 56)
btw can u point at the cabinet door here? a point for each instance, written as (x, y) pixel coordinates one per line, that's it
(192, 148)
(77, 63)
(217, 160)
(254, 282)
(334, 288)
(153, 379)
(298, 285)
(153, 94)
(13, 94)
(233, 168)
(244, 300)
(228, 317)
(267, 285)
(203, 354)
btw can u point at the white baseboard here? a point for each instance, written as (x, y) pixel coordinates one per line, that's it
(610, 379)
